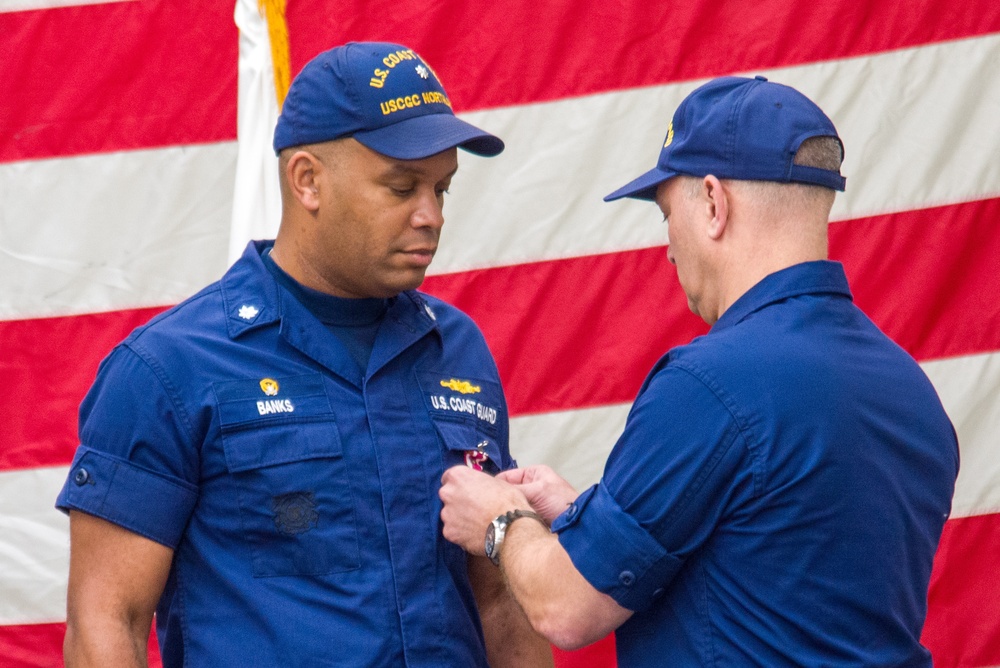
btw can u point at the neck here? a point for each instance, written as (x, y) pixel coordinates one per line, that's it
(740, 270)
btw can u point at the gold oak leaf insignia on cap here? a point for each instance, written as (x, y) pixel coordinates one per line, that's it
(670, 134)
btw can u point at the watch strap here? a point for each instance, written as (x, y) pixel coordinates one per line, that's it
(517, 514)
(497, 531)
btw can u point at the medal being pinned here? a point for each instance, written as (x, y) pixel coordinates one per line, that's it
(474, 459)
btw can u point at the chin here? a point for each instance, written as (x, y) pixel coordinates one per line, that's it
(412, 283)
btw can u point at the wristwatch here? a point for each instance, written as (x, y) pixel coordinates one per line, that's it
(498, 528)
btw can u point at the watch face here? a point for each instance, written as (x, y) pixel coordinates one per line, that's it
(491, 536)
(494, 538)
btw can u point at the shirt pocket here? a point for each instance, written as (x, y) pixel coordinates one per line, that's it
(466, 414)
(296, 506)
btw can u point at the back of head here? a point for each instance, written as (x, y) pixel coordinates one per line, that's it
(384, 96)
(791, 199)
(745, 130)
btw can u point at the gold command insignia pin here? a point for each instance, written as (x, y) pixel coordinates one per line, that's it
(269, 386)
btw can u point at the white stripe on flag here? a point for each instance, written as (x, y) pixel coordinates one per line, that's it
(34, 549)
(575, 443)
(969, 388)
(919, 125)
(25, 5)
(256, 197)
(117, 231)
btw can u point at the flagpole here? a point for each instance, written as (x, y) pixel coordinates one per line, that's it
(264, 76)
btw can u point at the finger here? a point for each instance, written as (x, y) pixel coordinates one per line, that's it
(513, 476)
(454, 474)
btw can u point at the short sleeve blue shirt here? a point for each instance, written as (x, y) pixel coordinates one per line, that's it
(298, 492)
(778, 493)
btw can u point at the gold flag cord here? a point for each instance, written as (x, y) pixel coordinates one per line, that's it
(273, 12)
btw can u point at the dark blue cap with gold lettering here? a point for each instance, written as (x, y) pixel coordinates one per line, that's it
(385, 96)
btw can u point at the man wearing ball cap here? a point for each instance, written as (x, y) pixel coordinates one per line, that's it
(259, 464)
(779, 490)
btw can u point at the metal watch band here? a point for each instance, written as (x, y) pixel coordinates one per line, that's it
(497, 530)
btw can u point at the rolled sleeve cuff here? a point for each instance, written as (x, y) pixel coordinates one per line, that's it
(136, 499)
(613, 552)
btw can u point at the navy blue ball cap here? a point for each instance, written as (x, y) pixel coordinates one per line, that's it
(739, 128)
(385, 96)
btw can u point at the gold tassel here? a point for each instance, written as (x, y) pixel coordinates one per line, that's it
(273, 12)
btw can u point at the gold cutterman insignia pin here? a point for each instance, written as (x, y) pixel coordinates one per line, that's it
(463, 386)
(269, 386)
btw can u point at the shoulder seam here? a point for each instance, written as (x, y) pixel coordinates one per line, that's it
(168, 388)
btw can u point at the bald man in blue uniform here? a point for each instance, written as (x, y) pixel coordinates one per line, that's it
(781, 484)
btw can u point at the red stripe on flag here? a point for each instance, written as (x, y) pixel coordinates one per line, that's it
(40, 646)
(117, 76)
(575, 333)
(522, 51)
(928, 278)
(964, 596)
(579, 332)
(600, 654)
(49, 364)
(130, 75)
(32, 645)
(584, 331)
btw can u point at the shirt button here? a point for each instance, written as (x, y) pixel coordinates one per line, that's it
(571, 511)
(627, 578)
(658, 592)
(81, 477)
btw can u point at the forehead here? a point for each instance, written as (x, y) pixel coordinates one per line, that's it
(666, 193)
(436, 166)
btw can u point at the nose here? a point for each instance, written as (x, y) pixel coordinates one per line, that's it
(429, 211)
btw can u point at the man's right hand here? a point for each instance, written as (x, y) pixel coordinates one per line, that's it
(547, 492)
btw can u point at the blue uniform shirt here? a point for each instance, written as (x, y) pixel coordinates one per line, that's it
(778, 493)
(298, 492)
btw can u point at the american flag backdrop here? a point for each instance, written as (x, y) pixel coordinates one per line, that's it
(118, 149)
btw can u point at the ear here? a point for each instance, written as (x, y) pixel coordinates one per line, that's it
(717, 202)
(301, 174)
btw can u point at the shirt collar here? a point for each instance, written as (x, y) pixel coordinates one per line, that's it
(249, 292)
(251, 299)
(817, 277)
